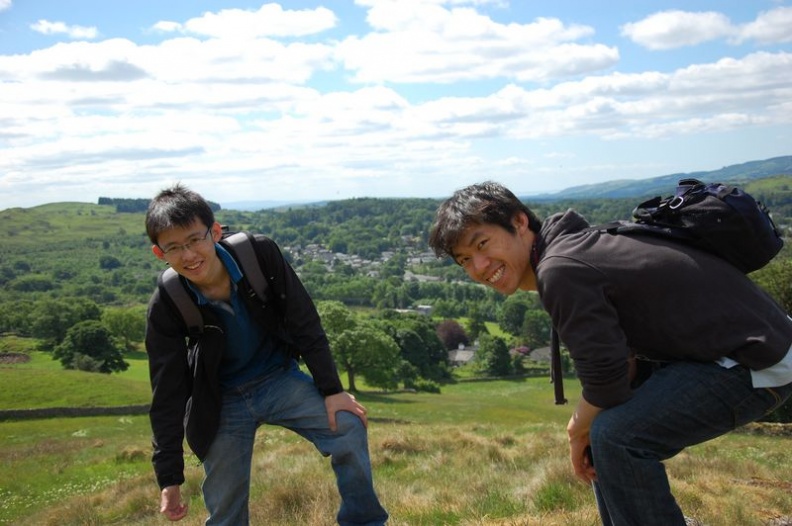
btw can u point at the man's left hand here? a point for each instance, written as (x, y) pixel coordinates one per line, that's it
(343, 402)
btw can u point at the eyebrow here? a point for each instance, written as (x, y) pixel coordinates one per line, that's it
(477, 234)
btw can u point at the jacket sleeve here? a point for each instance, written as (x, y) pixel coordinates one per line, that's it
(170, 383)
(301, 321)
(576, 297)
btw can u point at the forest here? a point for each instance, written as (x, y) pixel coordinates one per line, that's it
(76, 276)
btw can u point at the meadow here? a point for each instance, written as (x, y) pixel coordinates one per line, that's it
(480, 453)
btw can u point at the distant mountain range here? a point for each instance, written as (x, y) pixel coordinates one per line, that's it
(664, 185)
(632, 188)
(254, 206)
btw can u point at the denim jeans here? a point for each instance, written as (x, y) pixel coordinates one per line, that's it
(287, 398)
(682, 404)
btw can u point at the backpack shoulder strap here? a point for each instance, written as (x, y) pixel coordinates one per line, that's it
(182, 300)
(241, 244)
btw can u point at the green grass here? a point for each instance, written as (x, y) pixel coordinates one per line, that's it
(42, 382)
(47, 461)
(65, 223)
(481, 453)
(10, 343)
(501, 402)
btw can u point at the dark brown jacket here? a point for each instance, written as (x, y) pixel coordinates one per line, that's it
(612, 295)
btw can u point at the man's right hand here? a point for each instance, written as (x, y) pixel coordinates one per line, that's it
(171, 504)
(579, 441)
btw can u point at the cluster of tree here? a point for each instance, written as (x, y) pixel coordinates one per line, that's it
(366, 227)
(117, 268)
(131, 206)
(79, 332)
(125, 205)
(87, 254)
(386, 350)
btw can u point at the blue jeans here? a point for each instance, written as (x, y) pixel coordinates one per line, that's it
(682, 404)
(287, 398)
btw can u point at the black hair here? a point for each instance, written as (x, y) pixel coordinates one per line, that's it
(176, 206)
(484, 203)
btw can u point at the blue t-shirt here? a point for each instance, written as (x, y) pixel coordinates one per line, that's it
(250, 352)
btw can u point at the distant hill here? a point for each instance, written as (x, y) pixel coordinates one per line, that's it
(255, 206)
(664, 184)
(616, 189)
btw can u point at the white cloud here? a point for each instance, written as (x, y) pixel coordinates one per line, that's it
(774, 26)
(165, 26)
(673, 29)
(5, 4)
(216, 130)
(45, 27)
(245, 108)
(174, 61)
(269, 20)
(419, 41)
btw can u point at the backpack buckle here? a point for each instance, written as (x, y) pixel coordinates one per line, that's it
(676, 202)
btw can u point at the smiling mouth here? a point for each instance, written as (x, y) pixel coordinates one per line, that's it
(192, 267)
(496, 276)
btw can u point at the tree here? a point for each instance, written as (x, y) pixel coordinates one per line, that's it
(493, 356)
(88, 345)
(359, 348)
(126, 324)
(52, 319)
(335, 317)
(512, 312)
(32, 283)
(476, 325)
(395, 266)
(776, 279)
(536, 328)
(451, 334)
(109, 262)
(370, 353)
(419, 345)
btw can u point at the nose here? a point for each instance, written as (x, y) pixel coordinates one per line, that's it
(479, 263)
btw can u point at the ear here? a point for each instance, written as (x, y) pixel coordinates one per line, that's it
(521, 222)
(158, 252)
(217, 231)
(523, 228)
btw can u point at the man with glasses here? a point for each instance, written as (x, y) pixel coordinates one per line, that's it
(241, 371)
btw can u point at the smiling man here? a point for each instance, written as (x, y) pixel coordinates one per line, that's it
(713, 349)
(241, 371)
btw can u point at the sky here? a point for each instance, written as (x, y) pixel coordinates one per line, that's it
(302, 101)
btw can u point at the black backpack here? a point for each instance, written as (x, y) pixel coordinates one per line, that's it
(240, 244)
(716, 217)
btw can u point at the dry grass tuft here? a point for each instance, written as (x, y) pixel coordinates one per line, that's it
(440, 474)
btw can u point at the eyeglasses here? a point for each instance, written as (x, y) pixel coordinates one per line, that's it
(175, 250)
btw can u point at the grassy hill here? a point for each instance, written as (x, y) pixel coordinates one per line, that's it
(743, 174)
(65, 223)
(482, 453)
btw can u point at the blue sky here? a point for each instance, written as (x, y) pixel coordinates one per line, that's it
(320, 100)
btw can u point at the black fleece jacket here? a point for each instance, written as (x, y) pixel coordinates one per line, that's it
(185, 371)
(613, 295)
